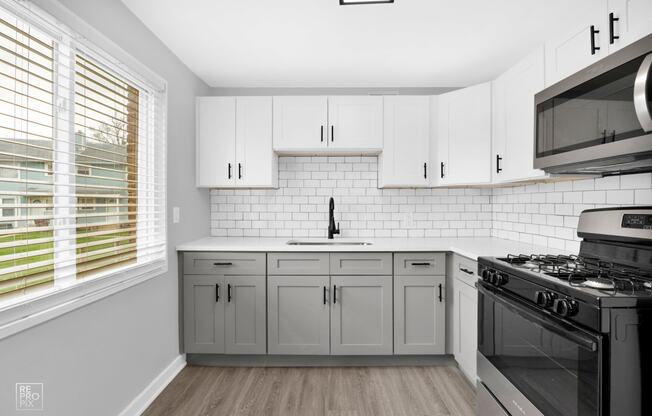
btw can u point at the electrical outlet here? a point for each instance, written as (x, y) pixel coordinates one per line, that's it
(176, 215)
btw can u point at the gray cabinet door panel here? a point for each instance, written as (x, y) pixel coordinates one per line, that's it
(300, 264)
(246, 316)
(465, 332)
(298, 315)
(419, 315)
(361, 315)
(361, 263)
(203, 314)
(224, 263)
(419, 264)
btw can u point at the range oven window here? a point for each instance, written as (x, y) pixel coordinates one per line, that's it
(596, 112)
(552, 364)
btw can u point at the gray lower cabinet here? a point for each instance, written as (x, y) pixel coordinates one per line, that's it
(245, 314)
(465, 323)
(298, 315)
(361, 315)
(204, 314)
(419, 315)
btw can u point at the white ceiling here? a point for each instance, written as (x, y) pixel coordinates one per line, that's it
(318, 43)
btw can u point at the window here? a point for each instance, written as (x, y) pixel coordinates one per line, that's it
(82, 162)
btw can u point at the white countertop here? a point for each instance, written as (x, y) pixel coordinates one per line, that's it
(471, 247)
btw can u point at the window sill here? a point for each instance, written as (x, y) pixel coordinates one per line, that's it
(33, 311)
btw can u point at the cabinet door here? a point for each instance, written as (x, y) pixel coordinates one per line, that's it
(203, 314)
(441, 139)
(300, 123)
(513, 119)
(570, 52)
(298, 312)
(634, 21)
(245, 315)
(215, 144)
(405, 157)
(361, 315)
(465, 328)
(355, 123)
(255, 160)
(469, 136)
(419, 315)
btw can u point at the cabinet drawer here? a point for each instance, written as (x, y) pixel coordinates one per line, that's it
(419, 264)
(361, 263)
(224, 263)
(297, 264)
(465, 270)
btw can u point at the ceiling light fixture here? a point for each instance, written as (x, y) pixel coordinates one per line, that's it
(350, 2)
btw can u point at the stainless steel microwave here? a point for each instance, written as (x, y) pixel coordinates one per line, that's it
(599, 120)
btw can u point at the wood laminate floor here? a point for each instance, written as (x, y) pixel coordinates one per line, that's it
(322, 391)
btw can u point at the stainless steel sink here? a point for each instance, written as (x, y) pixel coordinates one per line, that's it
(328, 243)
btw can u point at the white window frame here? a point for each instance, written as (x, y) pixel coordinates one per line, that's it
(69, 293)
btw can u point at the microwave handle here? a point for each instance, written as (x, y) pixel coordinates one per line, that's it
(640, 96)
(515, 306)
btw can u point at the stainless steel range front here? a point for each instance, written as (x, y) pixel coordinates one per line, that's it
(570, 335)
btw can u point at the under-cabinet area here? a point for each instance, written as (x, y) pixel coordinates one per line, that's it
(324, 304)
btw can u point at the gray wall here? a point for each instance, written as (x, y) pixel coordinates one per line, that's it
(96, 359)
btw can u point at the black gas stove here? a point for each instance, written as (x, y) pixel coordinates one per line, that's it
(577, 325)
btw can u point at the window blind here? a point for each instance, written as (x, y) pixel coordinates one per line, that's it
(82, 161)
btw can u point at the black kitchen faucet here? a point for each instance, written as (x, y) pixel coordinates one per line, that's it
(331, 220)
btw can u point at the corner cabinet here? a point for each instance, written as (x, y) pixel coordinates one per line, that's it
(465, 315)
(234, 143)
(405, 160)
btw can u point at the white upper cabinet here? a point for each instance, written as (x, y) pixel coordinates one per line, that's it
(464, 136)
(628, 21)
(355, 123)
(585, 44)
(406, 153)
(256, 164)
(300, 123)
(513, 119)
(215, 144)
(234, 143)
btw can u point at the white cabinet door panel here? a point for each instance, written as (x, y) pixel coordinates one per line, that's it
(245, 313)
(215, 145)
(361, 315)
(255, 159)
(355, 123)
(300, 123)
(298, 311)
(634, 21)
(203, 314)
(405, 160)
(419, 315)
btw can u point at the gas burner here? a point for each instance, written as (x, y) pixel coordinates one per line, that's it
(599, 283)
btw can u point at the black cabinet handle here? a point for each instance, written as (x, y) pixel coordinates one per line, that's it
(613, 136)
(604, 136)
(467, 271)
(441, 168)
(226, 263)
(593, 33)
(228, 292)
(421, 263)
(334, 293)
(425, 171)
(440, 294)
(217, 293)
(332, 133)
(239, 170)
(229, 171)
(612, 33)
(324, 295)
(498, 168)
(322, 134)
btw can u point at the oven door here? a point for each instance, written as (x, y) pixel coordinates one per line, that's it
(534, 363)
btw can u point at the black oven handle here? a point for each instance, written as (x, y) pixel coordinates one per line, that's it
(560, 327)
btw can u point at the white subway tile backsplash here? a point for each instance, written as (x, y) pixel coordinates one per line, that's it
(544, 213)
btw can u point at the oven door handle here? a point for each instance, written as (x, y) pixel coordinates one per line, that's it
(640, 94)
(560, 327)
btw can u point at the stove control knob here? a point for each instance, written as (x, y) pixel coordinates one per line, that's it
(499, 279)
(565, 307)
(545, 299)
(485, 275)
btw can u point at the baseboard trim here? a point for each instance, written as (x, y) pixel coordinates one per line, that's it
(317, 360)
(139, 404)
